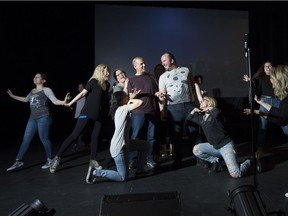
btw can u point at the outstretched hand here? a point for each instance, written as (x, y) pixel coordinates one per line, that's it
(246, 78)
(67, 97)
(160, 95)
(9, 92)
(134, 92)
(247, 111)
(259, 101)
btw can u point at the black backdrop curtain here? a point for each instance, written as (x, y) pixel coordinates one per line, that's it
(70, 26)
(268, 26)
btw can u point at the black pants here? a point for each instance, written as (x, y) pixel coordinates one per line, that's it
(79, 128)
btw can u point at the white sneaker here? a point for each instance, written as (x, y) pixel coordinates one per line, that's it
(16, 165)
(54, 164)
(90, 178)
(47, 164)
(95, 164)
(151, 164)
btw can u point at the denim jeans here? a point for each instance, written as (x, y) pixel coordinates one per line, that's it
(177, 115)
(285, 130)
(139, 120)
(42, 125)
(122, 163)
(263, 123)
(122, 173)
(207, 152)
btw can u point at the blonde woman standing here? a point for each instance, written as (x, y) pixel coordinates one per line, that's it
(95, 91)
(276, 115)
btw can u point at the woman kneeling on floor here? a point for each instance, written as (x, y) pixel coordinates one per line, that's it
(120, 109)
(220, 144)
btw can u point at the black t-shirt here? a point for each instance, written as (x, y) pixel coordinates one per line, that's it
(264, 87)
(93, 100)
(213, 127)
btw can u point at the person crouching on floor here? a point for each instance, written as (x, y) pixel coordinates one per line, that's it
(219, 145)
(120, 109)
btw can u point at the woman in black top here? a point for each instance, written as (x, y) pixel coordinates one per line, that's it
(263, 91)
(96, 90)
(219, 145)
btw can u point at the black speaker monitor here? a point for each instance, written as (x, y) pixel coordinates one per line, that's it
(141, 204)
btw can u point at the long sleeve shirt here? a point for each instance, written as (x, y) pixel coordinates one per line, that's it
(279, 115)
(213, 127)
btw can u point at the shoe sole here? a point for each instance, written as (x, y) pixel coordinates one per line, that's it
(97, 168)
(45, 167)
(15, 168)
(88, 175)
(9, 170)
(52, 170)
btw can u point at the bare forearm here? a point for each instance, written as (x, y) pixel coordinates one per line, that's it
(265, 105)
(18, 98)
(77, 97)
(198, 92)
(59, 102)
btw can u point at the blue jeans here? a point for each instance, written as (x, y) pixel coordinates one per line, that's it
(122, 173)
(139, 120)
(177, 115)
(122, 162)
(42, 125)
(285, 130)
(263, 123)
(207, 152)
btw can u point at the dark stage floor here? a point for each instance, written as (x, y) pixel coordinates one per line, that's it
(200, 193)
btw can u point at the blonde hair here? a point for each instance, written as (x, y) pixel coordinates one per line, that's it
(279, 75)
(98, 73)
(212, 101)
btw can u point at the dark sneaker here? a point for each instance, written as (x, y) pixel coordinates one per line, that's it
(54, 164)
(259, 167)
(90, 178)
(16, 165)
(218, 167)
(259, 153)
(203, 163)
(222, 167)
(132, 165)
(214, 168)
